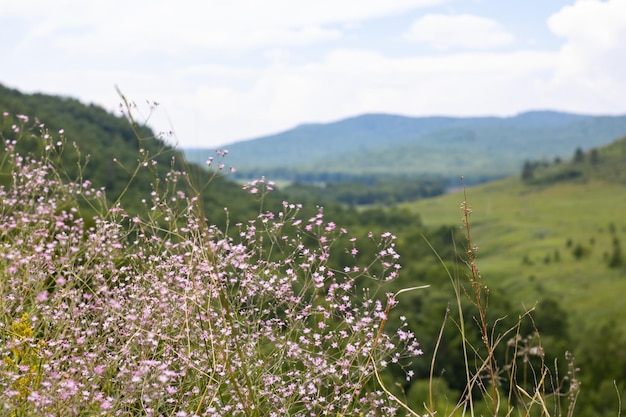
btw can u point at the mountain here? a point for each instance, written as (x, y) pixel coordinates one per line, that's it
(478, 148)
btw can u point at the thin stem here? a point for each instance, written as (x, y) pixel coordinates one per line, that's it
(477, 287)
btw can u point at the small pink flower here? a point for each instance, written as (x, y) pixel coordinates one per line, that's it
(106, 404)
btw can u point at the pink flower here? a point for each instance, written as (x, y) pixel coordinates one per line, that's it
(106, 404)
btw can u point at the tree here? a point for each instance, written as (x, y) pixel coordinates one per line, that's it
(528, 171)
(579, 155)
(616, 259)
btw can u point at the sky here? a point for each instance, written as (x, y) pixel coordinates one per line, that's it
(229, 70)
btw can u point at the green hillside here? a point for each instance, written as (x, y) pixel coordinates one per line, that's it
(558, 237)
(605, 163)
(106, 150)
(551, 238)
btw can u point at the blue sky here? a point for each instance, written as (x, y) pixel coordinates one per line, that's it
(224, 71)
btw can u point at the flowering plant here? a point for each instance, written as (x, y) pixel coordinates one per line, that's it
(164, 314)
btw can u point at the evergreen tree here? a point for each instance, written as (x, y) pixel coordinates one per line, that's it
(579, 155)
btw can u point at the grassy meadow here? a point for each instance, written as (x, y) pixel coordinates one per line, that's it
(527, 236)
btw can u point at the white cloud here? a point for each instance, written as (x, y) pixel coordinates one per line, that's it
(592, 61)
(461, 30)
(250, 103)
(349, 82)
(128, 26)
(592, 22)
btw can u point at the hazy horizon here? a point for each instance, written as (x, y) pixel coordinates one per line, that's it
(226, 72)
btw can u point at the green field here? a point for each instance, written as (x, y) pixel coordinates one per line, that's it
(523, 232)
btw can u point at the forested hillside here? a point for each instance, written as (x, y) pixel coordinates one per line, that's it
(106, 149)
(605, 163)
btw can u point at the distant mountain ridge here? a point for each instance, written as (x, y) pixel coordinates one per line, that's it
(385, 144)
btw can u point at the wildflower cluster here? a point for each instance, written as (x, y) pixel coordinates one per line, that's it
(260, 185)
(221, 154)
(165, 314)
